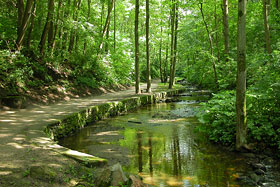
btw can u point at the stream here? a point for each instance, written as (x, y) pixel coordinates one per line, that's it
(159, 142)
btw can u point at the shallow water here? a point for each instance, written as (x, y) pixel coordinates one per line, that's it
(160, 143)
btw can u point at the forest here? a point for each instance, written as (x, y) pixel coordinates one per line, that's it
(53, 47)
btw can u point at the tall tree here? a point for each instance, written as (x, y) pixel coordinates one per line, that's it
(175, 44)
(217, 33)
(147, 47)
(172, 15)
(23, 21)
(20, 7)
(266, 7)
(241, 126)
(115, 27)
(52, 42)
(226, 28)
(88, 19)
(51, 29)
(73, 34)
(137, 76)
(211, 45)
(30, 29)
(47, 26)
(160, 54)
(106, 26)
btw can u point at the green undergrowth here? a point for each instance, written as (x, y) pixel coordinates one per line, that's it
(218, 119)
(21, 74)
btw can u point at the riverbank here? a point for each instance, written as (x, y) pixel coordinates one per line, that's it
(29, 157)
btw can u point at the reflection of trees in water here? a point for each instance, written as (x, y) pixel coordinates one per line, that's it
(176, 155)
(139, 142)
(150, 154)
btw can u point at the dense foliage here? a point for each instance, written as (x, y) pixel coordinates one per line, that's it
(218, 116)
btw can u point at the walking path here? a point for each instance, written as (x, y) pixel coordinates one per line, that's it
(24, 146)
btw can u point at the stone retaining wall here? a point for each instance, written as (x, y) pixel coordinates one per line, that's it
(71, 123)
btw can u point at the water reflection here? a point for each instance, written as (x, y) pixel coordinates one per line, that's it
(159, 143)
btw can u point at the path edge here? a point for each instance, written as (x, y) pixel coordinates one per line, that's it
(72, 123)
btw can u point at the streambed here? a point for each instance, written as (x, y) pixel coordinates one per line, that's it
(159, 142)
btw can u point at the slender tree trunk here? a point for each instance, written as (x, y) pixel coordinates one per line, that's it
(175, 45)
(88, 19)
(108, 31)
(137, 78)
(149, 80)
(211, 46)
(102, 15)
(32, 25)
(76, 31)
(217, 33)
(277, 4)
(172, 43)
(56, 25)
(266, 5)
(115, 27)
(160, 58)
(24, 23)
(65, 34)
(166, 65)
(47, 27)
(72, 34)
(20, 7)
(51, 29)
(226, 29)
(241, 126)
(106, 26)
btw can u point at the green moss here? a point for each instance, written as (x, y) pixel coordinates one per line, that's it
(76, 121)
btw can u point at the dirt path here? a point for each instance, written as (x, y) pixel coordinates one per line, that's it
(25, 150)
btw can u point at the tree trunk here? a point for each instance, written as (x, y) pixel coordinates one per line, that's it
(175, 45)
(47, 27)
(108, 30)
(226, 29)
(160, 58)
(137, 76)
(277, 4)
(51, 29)
(211, 46)
(266, 5)
(166, 65)
(149, 81)
(20, 7)
(52, 44)
(31, 26)
(107, 23)
(217, 33)
(72, 34)
(102, 15)
(24, 23)
(115, 27)
(77, 37)
(172, 43)
(241, 126)
(88, 19)
(65, 34)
